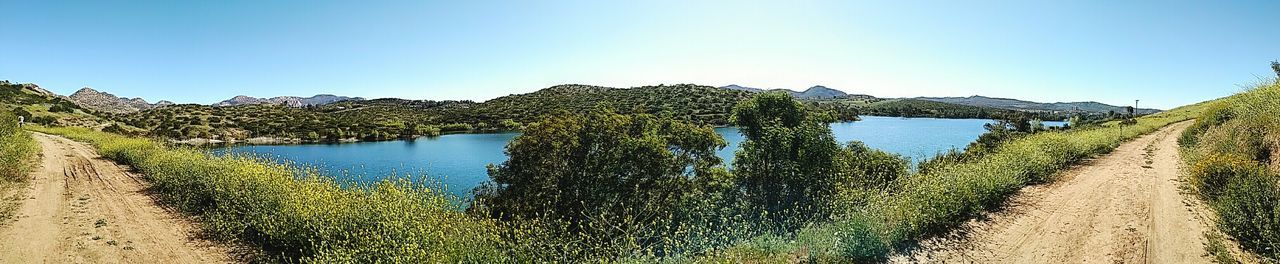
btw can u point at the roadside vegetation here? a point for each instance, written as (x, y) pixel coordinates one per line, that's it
(295, 215)
(1233, 155)
(17, 159)
(17, 149)
(947, 193)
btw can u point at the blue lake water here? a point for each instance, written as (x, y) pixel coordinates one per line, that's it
(459, 160)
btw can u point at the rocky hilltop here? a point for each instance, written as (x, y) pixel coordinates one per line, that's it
(292, 101)
(815, 92)
(101, 101)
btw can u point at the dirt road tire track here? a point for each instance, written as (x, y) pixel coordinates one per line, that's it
(82, 208)
(1123, 207)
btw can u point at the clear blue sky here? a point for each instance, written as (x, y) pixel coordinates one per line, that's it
(1167, 53)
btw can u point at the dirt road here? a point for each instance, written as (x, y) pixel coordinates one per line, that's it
(81, 208)
(1124, 207)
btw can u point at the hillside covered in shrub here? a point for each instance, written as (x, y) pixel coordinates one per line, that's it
(1233, 155)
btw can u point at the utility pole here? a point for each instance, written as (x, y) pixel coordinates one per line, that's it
(1135, 105)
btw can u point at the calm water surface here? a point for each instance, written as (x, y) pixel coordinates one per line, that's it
(459, 160)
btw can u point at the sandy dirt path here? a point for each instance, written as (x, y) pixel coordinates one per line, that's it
(1124, 207)
(82, 208)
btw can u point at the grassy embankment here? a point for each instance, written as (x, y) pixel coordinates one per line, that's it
(1233, 152)
(933, 202)
(17, 158)
(297, 215)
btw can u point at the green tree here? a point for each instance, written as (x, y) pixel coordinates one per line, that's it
(116, 128)
(997, 133)
(1275, 66)
(786, 164)
(61, 108)
(425, 130)
(19, 111)
(600, 174)
(508, 124)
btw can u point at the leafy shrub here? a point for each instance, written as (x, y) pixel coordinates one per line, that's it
(861, 242)
(61, 108)
(602, 177)
(1211, 175)
(1248, 209)
(861, 173)
(456, 127)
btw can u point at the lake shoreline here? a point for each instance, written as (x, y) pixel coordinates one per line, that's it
(270, 141)
(459, 160)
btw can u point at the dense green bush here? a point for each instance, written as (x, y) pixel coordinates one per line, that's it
(786, 165)
(603, 177)
(1249, 209)
(1211, 175)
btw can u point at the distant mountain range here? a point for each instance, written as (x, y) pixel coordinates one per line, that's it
(106, 102)
(101, 101)
(815, 92)
(292, 101)
(1015, 104)
(823, 92)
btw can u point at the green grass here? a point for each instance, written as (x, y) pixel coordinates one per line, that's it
(1233, 152)
(295, 215)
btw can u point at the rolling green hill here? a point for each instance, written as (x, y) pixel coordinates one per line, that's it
(381, 119)
(40, 106)
(391, 118)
